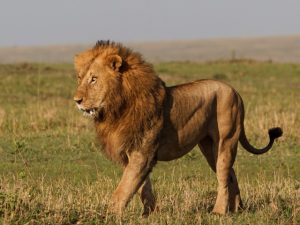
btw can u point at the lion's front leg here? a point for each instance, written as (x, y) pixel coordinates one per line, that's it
(134, 174)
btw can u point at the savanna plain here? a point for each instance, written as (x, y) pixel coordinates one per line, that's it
(52, 170)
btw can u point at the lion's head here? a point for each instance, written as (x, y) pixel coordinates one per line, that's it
(98, 73)
(113, 79)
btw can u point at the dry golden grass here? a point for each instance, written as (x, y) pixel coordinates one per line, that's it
(180, 200)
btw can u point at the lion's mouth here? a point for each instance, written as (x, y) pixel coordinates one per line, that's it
(88, 112)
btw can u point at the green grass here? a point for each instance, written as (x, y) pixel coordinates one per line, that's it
(52, 171)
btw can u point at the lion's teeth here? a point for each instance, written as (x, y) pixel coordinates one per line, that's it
(89, 112)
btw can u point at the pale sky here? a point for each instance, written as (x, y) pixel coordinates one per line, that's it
(44, 22)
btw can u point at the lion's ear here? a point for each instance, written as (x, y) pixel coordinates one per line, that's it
(114, 62)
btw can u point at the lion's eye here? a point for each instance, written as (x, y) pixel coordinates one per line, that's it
(93, 80)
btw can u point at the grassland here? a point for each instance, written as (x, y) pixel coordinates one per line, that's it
(52, 172)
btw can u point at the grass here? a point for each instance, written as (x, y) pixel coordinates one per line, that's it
(52, 172)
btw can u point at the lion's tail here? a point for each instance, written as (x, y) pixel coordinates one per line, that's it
(274, 133)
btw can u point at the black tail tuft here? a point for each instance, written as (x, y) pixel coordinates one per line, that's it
(275, 132)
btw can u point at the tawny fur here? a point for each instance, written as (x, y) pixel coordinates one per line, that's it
(140, 121)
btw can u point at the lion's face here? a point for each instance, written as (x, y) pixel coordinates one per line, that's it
(95, 80)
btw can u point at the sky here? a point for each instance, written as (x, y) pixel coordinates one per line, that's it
(42, 22)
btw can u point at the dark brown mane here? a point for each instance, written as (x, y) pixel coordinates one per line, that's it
(106, 43)
(134, 99)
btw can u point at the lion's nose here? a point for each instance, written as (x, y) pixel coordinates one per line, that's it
(78, 100)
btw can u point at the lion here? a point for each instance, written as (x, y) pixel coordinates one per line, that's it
(139, 121)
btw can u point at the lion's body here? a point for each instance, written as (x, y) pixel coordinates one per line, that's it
(140, 121)
(194, 111)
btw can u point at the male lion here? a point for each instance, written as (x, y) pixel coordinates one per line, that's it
(140, 121)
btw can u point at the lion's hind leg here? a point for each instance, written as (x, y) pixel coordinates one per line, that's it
(208, 149)
(228, 198)
(235, 201)
(229, 194)
(147, 197)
